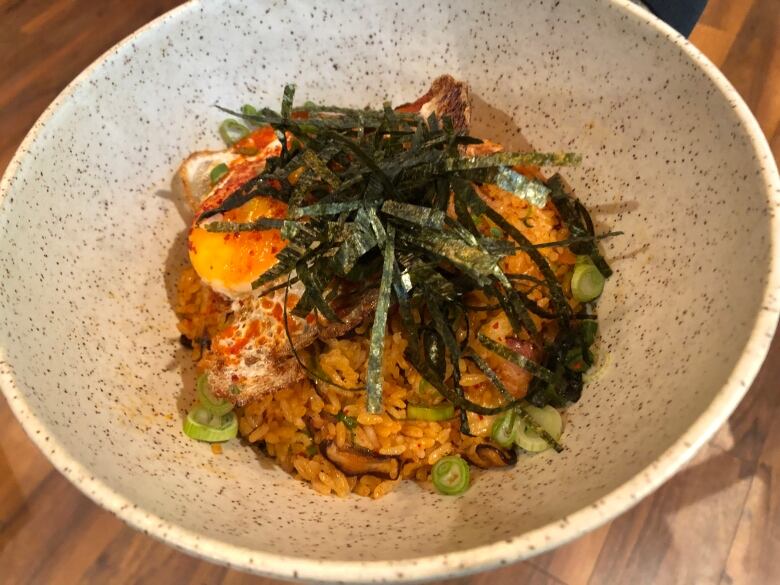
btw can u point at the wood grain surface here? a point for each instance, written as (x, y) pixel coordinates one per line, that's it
(716, 522)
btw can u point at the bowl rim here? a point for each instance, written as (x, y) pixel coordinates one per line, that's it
(465, 561)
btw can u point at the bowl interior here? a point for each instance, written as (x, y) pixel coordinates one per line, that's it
(93, 242)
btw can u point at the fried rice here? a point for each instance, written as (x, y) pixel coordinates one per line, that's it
(293, 424)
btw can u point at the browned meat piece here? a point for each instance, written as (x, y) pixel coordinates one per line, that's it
(446, 97)
(515, 378)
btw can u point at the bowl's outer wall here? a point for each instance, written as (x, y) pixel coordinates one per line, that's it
(92, 244)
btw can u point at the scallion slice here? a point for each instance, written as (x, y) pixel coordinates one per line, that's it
(216, 406)
(587, 282)
(218, 172)
(505, 429)
(202, 425)
(232, 131)
(549, 419)
(443, 411)
(349, 421)
(450, 475)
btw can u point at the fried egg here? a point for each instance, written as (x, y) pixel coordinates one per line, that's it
(230, 262)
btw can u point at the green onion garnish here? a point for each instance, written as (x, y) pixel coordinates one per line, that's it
(443, 411)
(232, 131)
(505, 429)
(202, 425)
(214, 405)
(587, 282)
(450, 475)
(349, 421)
(248, 110)
(218, 172)
(549, 421)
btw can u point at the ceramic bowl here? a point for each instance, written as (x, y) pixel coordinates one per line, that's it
(92, 241)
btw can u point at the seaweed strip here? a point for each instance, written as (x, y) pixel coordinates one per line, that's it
(405, 311)
(287, 100)
(489, 372)
(355, 245)
(580, 225)
(364, 157)
(448, 336)
(518, 184)
(377, 343)
(422, 273)
(302, 188)
(314, 283)
(510, 159)
(258, 225)
(285, 262)
(380, 234)
(321, 209)
(257, 187)
(425, 217)
(536, 427)
(316, 164)
(473, 261)
(579, 240)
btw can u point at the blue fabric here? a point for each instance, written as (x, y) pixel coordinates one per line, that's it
(680, 14)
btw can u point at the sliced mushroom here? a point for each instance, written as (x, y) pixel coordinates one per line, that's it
(357, 461)
(488, 456)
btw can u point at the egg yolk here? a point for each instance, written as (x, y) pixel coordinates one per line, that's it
(229, 262)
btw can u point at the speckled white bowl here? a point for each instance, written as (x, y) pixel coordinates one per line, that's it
(89, 357)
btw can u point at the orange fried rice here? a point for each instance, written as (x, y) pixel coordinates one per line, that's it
(292, 424)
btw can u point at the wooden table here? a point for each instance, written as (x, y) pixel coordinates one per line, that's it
(716, 522)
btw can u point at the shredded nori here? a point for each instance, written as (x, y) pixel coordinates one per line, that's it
(580, 225)
(369, 194)
(377, 344)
